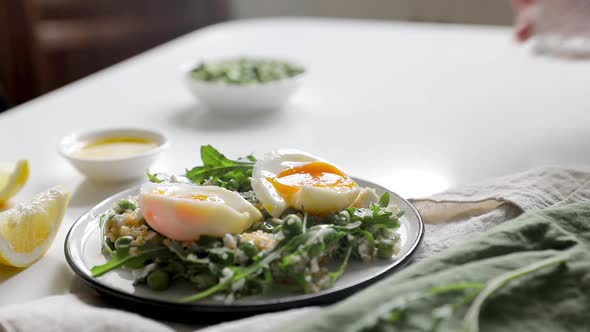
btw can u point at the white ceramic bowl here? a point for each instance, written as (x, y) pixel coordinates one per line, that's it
(112, 169)
(241, 99)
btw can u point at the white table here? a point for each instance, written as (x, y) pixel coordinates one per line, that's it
(417, 108)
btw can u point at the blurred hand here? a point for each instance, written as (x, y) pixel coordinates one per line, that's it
(563, 18)
(524, 21)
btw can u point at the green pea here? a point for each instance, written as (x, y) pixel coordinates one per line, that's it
(158, 280)
(249, 249)
(126, 205)
(385, 249)
(245, 71)
(292, 225)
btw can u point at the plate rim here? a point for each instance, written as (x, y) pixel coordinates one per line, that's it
(265, 305)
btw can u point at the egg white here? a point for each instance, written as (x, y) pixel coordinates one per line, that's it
(315, 200)
(168, 209)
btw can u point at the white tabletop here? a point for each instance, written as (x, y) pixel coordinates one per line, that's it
(416, 108)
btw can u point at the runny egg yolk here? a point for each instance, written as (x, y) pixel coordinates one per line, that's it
(186, 195)
(316, 173)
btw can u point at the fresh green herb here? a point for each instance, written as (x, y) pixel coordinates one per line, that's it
(153, 177)
(244, 71)
(249, 249)
(103, 221)
(188, 258)
(221, 171)
(242, 273)
(126, 205)
(334, 276)
(123, 257)
(302, 249)
(385, 248)
(384, 200)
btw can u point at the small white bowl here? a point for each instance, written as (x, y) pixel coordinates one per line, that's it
(242, 99)
(112, 169)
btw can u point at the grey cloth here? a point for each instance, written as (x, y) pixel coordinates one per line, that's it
(451, 217)
(71, 313)
(455, 215)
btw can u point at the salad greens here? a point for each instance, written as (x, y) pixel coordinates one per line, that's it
(244, 71)
(218, 170)
(293, 252)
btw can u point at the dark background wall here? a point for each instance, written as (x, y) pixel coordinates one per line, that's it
(45, 44)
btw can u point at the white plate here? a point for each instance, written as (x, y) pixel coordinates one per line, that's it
(83, 251)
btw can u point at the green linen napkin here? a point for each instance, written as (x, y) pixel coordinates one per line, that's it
(531, 274)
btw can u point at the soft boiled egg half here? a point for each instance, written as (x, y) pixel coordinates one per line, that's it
(184, 212)
(295, 179)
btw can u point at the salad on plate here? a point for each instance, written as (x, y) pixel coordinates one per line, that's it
(233, 228)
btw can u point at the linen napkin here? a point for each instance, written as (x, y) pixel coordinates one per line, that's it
(529, 274)
(455, 215)
(451, 218)
(69, 313)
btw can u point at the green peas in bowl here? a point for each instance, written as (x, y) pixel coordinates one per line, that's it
(244, 84)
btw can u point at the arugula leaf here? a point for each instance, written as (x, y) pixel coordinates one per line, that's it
(334, 276)
(103, 221)
(376, 210)
(349, 226)
(189, 258)
(123, 257)
(211, 157)
(200, 174)
(313, 236)
(268, 279)
(221, 171)
(367, 236)
(384, 200)
(153, 177)
(240, 273)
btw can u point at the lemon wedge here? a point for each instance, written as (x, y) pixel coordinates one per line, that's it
(12, 178)
(28, 229)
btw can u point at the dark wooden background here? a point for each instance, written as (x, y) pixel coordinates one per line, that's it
(45, 44)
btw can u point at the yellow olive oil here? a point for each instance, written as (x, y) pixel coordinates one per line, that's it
(115, 147)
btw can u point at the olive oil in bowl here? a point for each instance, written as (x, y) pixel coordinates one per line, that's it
(113, 155)
(115, 147)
